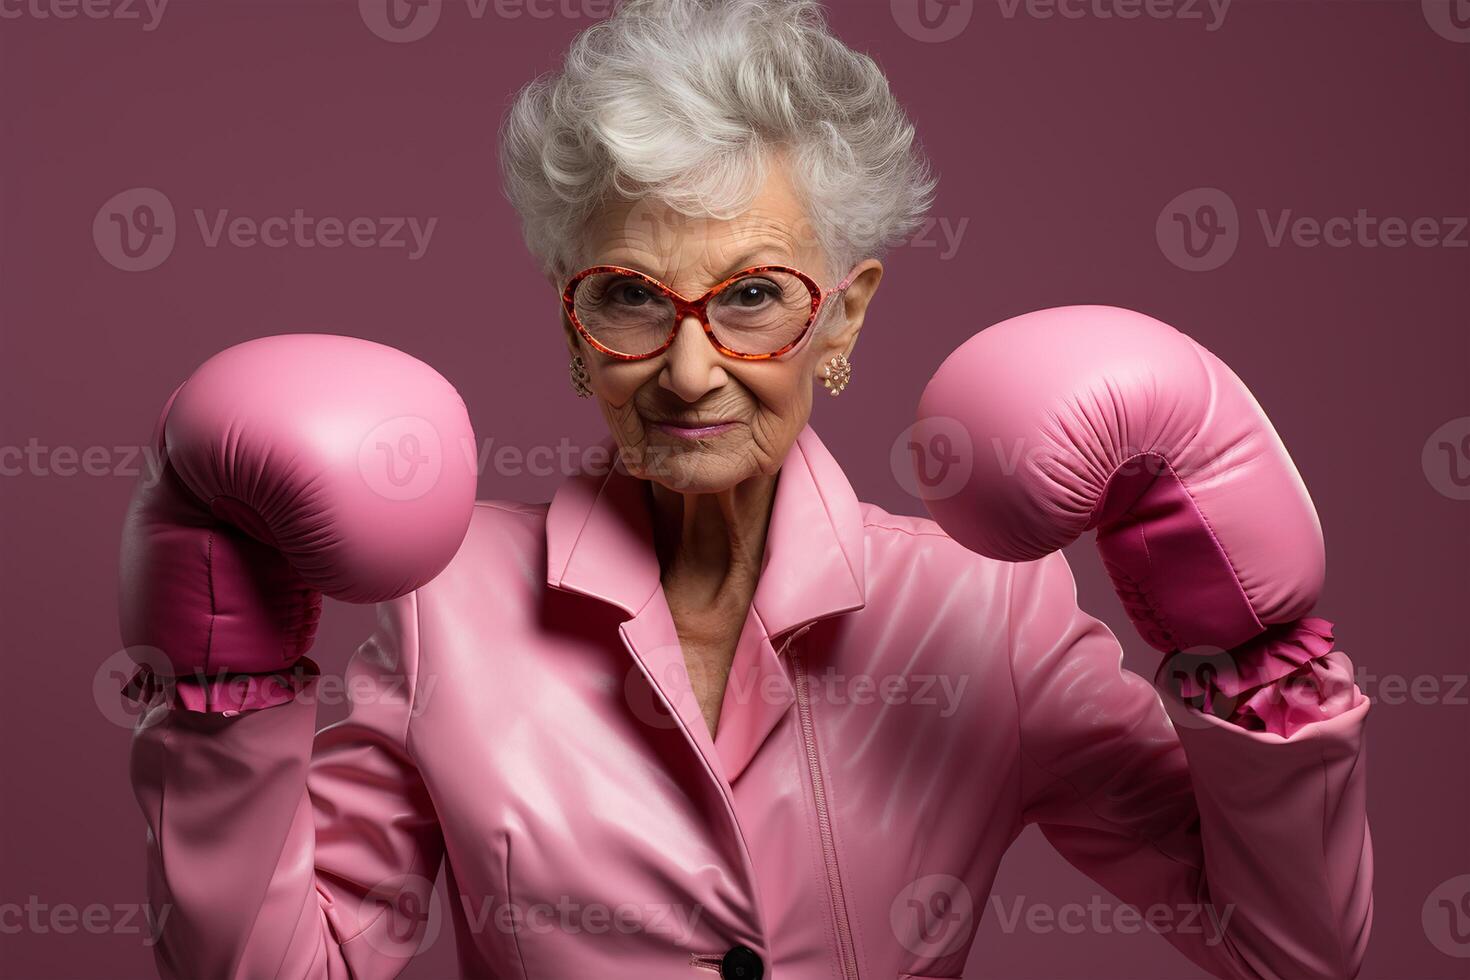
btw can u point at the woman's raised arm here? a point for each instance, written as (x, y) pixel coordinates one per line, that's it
(293, 466)
(273, 856)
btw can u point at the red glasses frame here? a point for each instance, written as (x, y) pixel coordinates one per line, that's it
(684, 308)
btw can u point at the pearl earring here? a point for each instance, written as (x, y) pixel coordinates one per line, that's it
(836, 374)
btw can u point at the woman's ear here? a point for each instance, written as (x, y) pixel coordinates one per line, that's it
(570, 331)
(841, 335)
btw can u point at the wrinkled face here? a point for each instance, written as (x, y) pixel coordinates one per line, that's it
(692, 418)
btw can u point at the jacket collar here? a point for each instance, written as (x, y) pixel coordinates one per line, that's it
(599, 538)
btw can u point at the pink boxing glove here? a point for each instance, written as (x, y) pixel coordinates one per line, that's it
(1096, 417)
(294, 466)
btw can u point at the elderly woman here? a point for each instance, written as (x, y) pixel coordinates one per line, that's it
(706, 713)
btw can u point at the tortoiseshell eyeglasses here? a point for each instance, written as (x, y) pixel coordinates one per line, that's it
(757, 313)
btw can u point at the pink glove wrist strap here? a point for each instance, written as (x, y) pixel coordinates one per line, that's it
(221, 693)
(1277, 682)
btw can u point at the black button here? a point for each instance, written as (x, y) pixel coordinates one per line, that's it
(742, 963)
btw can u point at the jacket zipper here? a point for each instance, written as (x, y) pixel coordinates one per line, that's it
(706, 961)
(846, 954)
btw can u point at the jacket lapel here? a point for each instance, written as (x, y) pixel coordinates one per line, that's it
(813, 566)
(812, 569)
(600, 544)
(599, 539)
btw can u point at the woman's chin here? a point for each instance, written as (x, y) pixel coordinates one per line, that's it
(694, 467)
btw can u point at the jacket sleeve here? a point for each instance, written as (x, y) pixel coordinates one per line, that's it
(1247, 850)
(275, 855)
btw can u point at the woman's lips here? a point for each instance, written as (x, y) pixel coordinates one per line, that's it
(682, 431)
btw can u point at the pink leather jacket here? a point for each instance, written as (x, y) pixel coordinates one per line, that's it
(899, 709)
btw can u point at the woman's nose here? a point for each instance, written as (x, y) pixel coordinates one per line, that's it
(692, 366)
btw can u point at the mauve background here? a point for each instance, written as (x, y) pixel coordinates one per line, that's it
(1058, 142)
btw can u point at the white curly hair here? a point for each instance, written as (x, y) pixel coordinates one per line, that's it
(685, 102)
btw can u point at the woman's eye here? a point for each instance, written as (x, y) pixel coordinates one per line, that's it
(631, 294)
(753, 292)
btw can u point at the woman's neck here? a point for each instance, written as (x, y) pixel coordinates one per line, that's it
(711, 543)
